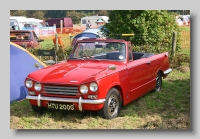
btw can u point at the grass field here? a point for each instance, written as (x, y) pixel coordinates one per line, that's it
(185, 28)
(48, 41)
(168, 109)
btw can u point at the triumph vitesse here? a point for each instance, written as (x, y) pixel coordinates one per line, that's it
(99, 75)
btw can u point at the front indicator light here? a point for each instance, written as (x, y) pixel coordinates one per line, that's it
(31, 93)
(92, 96)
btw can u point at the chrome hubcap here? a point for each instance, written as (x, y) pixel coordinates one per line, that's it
(157, 82)
(113, 105)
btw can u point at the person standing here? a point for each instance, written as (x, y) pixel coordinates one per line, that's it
(88, 24)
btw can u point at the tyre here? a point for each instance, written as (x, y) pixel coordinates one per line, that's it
(158, 82)
(112, 105)
(37, 109)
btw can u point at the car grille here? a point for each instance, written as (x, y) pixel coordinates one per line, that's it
(61, 90)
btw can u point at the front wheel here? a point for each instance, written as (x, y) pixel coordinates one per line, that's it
(112, 104)
(158, 82)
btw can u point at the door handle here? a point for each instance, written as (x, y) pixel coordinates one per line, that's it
(148, 62)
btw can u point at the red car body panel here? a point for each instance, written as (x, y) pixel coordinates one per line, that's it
(132, 78)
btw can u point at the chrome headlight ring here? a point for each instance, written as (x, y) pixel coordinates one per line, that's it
(29, 83)
(83, 89)
(37, 86)
(93, 87)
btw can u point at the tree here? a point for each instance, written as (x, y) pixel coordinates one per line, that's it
(55, 13)
(151, 27)
(102, 13)
(183, 12)
(76, 16)
(38, 15)
(18, 13)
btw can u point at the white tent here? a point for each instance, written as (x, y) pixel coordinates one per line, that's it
(35, 20)
(184, 19)
(21, 20)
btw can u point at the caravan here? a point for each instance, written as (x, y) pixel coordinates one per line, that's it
(93, 20)
(17, 21)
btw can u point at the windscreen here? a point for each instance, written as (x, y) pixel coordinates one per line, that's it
(99, 50)
(20, 36)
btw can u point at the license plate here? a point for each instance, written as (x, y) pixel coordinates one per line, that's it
(60, 106)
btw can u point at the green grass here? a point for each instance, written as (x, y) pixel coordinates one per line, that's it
(186, 28)
(186, 51)
(48, 42)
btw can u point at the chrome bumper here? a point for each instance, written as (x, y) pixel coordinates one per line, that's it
(80, 101)
(167, 71)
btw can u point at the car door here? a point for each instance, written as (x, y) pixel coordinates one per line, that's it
(141, 74)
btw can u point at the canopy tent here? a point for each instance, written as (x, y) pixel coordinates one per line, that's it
(21, 64)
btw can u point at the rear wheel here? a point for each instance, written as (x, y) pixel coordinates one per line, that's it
(112, 104)
(158, 82)
(37, 109)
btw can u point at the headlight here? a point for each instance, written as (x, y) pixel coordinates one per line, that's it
(93, 87)
(29, 83)
(84, 89)
(37, 86)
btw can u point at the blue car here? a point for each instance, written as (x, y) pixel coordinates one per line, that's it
(89, 33)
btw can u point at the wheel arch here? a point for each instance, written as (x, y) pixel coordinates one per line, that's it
(161, 71)
(118, 87)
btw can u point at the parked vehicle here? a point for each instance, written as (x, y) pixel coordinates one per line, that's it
(100, 75)
(89, 33)
(25, 38)
(93, 20)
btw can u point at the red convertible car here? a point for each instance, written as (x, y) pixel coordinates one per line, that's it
(100, 75)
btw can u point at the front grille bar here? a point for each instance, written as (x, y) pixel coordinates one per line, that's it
(61, 90)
